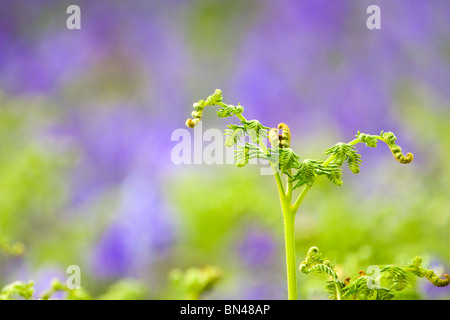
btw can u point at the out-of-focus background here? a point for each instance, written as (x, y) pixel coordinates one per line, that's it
(86, 118)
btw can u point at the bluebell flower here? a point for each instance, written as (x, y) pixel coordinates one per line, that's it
(257, 248)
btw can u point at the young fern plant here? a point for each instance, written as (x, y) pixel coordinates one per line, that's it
(383, 284)
(287, 164)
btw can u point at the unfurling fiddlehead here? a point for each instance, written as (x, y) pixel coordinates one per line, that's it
(389, 138)
(285, 136)
(314, 263)
(280, 140)
(214, 99)
(417, 269)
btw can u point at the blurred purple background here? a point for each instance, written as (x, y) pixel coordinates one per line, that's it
(115, 90)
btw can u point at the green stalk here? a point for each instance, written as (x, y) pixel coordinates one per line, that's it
(338, 292)
(289, 238)
(291, 267)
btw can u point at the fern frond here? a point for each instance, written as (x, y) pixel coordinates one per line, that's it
(233, 135)
(229, 110)
(340, 151)
(214, 99)
(308, 170)
(306, 173)
(335, 175)
(332, 287)
(354, 161)
(247, 152)
(242, 155)
(345, 152)
(389, 279)
(395, 275)
(359, 290)
(314, 263)
(417, 269)
(255, 130)
(288, 159)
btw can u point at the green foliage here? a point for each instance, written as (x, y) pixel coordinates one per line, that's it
(383, 284)
(229, 110)
(234, 134)
(25, 290)
(214, 99)
(315, 264)
(345, 152)
(389, 138)
(287, 160)
(17, 289)
(195, 281)
(308, 170)
(253, 128)
(124, 289)
(416, 268)
(70, 294)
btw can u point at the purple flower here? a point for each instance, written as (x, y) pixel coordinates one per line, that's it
(111, 257)
(257, 248)
(142, 232)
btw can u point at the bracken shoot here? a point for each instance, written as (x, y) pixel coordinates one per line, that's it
(302, 173)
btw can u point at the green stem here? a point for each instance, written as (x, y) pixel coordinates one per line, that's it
(338, 291)
(291, 267)
(289, 238)
(289, 185)
(241, 117)
(298, 202)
